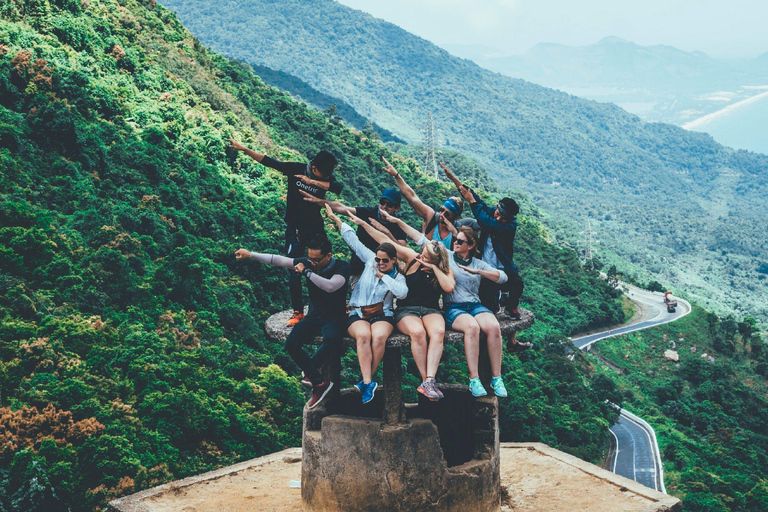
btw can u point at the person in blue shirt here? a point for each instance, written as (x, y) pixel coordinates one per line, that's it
(441, 225)
(496, 247)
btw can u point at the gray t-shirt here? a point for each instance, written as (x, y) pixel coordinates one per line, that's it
(468, 285)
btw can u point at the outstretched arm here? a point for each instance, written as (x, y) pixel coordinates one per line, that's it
(488, 272)
(403, 252)
(421, 209)
(251, 153)
(336, 206)
(269, 259)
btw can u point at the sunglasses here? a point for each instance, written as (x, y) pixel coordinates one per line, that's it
(387, 204)
(459, 241)
(381, 260)
(317, 260)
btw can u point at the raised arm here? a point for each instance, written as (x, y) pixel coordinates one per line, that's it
(456, 181)
(413, 233)
(396, 285)
(421, 209)
(405, 253)
(354, 243)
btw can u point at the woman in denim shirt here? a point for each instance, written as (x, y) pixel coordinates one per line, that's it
(371, 316)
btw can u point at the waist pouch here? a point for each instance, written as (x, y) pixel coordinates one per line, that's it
(372, 311)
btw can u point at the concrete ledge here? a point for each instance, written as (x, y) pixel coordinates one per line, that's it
(534, 477)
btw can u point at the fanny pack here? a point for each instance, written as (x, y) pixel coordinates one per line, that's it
(372, 311)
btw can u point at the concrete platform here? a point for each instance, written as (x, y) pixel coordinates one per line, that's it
(534, 477)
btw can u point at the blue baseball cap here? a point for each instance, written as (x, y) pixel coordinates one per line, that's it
(392, 195)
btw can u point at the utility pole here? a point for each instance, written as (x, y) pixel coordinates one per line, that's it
(588, 245)
(430, 153)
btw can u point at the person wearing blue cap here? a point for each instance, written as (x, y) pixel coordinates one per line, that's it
(441, 225)
(496, 248)
(389, 203)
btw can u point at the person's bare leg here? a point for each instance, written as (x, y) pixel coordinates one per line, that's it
(490, 326)
(380, 331)
(435, 326)
(468, 325)
(361, 331)
(412, 326)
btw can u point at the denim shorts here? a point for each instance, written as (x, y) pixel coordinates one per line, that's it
(456, 309)
(417, 311)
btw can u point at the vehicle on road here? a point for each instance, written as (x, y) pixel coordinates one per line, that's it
(670, 302)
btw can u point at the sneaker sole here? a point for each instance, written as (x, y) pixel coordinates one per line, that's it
(330, 386)
(435, 399)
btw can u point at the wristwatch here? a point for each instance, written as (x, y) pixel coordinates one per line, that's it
(306, 272)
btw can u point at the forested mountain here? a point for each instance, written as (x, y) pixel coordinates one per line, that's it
(132, 342)
(301, 90)
(661, 199)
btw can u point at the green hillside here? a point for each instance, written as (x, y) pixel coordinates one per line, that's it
(671, 204)
(132, 344)
(708, 414)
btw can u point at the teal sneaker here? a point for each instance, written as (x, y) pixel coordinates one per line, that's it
(477, 388)
(498, 387)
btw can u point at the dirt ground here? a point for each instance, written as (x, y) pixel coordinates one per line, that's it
(533, 481)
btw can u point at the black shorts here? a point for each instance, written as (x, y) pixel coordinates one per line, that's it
(354, 318)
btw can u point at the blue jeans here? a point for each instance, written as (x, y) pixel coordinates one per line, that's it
(455, 309)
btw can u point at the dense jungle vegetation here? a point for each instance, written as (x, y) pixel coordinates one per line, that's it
(665, 203)
(132, 345)
(708, 409)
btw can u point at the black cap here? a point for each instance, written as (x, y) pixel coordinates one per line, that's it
(508, 208)
(325, 162)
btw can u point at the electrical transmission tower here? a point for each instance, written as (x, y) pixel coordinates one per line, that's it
(430, 152)
(588, 244)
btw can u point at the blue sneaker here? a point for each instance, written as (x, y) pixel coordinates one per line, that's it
(498, 387)
(368, 391)
(360, 386)
(477, 388)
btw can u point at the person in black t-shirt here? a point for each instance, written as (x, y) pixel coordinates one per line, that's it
(327, 282)
(303, 218)
(390, 203)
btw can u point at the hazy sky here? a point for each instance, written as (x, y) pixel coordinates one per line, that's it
(735, 28)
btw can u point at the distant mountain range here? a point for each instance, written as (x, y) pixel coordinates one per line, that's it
(658, 83)
(676, 203)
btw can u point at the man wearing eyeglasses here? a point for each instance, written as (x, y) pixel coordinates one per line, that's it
(496, 247)
(327, 280)
(390, 203)
(302, 217)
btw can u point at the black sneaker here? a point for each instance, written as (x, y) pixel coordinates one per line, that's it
(514, 314)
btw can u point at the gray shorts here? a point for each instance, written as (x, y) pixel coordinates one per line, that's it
(417, 311)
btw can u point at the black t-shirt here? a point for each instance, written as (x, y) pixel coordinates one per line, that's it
(364, 213)
(301, 214)
(322, 302)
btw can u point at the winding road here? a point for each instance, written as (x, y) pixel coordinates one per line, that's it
(636, 453)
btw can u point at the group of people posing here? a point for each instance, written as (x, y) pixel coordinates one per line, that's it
(466, 261)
